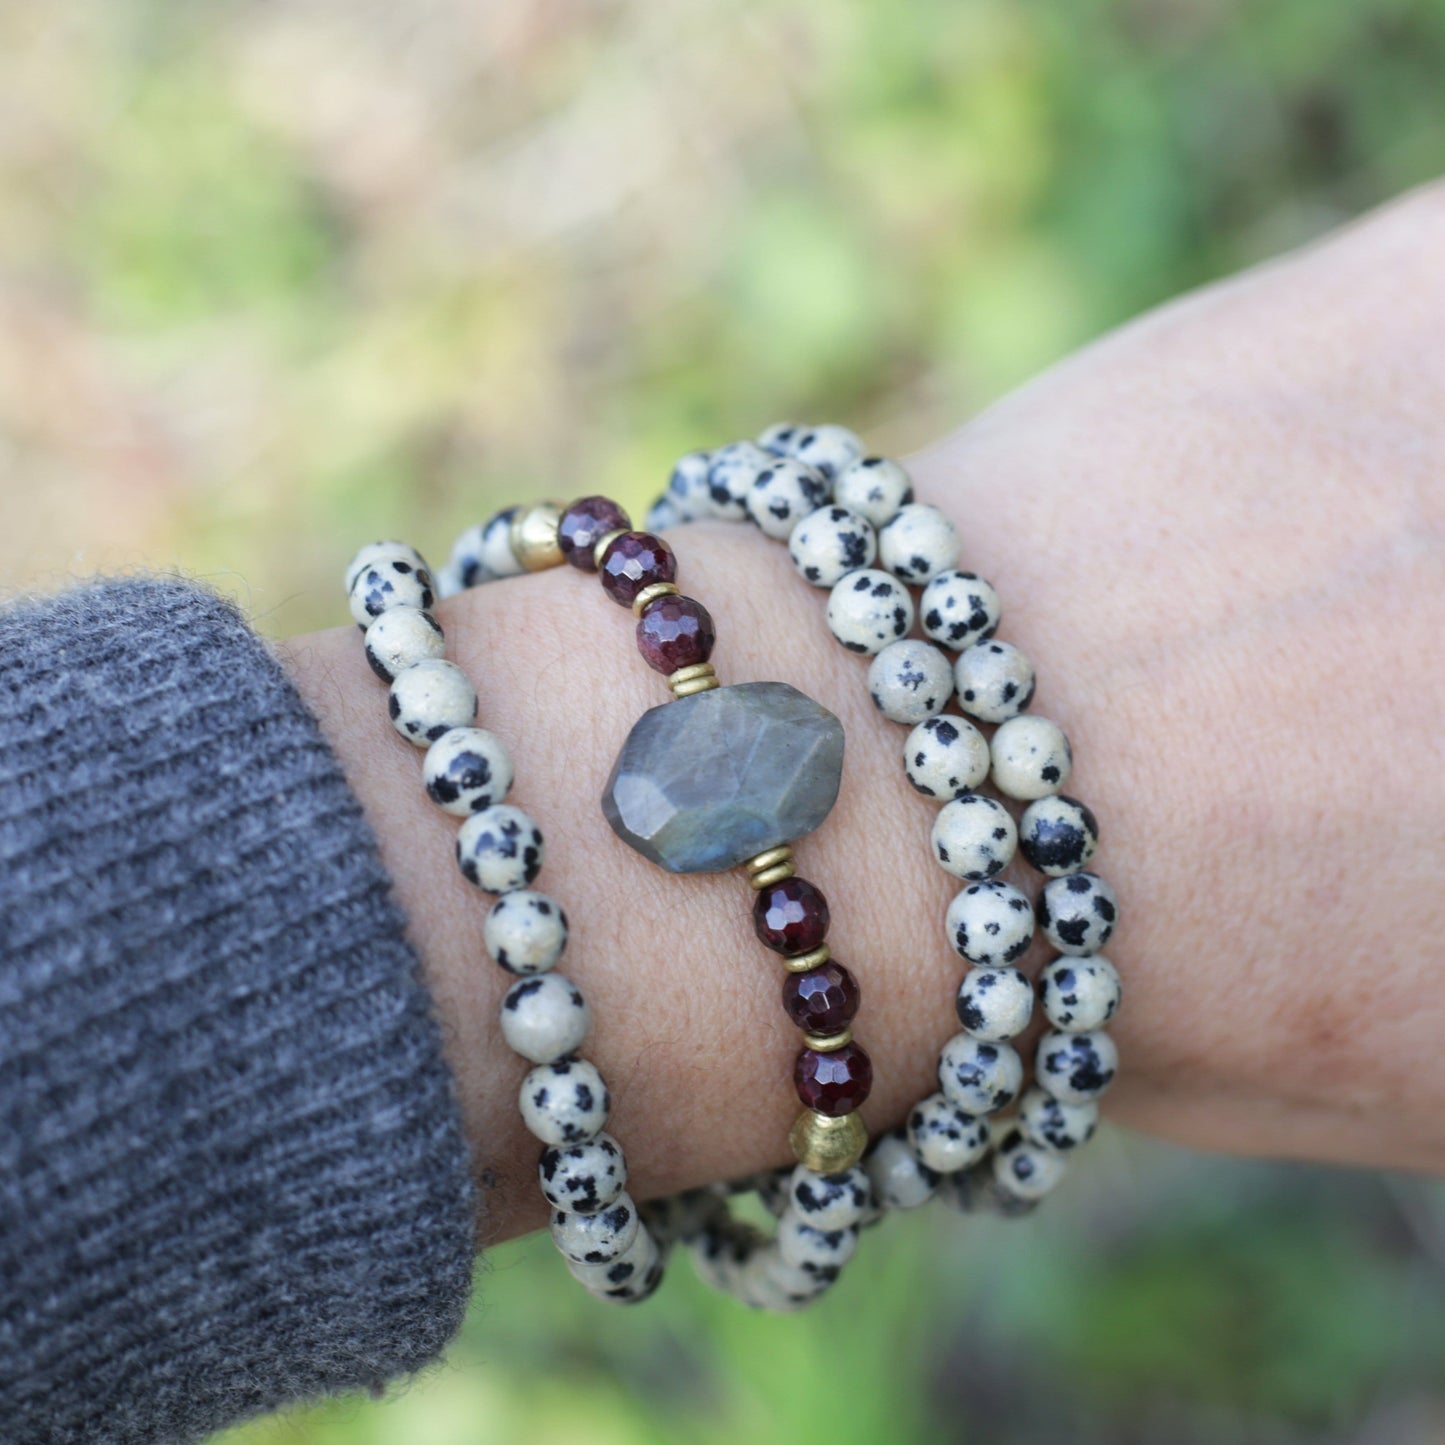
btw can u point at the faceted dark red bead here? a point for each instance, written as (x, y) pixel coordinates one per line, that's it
(633, 561)
(584, 524)
(675, 632)
(822, 1001)
(791, 917)
(834, 1083)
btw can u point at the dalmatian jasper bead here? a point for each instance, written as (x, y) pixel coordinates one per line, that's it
(583, 1178)
(721, 1250)
(994, 1004)
(430, 698)
(830, 1201)
(545, 1017)
(1080, 994)
(782, 494)
(900, 1179)
(730, 476)
(979, 1078)
(909, 681)
(466, 770)
(1026, 1170)
(1076, 1068)
(525, 932)
(499, 849)
(944, 1138)
(1077, 913)
(945, 757)
(995, 681)
(1058, 835)
(1048, 1124)
(484, 553)
(974, 837)
(959, 609)
(1031, 758)
(867, 610)
(804, 1245)
(918, 544)
(565, 1102)
(374, 552)
(875, 488)
(661, 515)
(828, 449)
(829, 543)
(799, 1284)
(632, 1276)
(990, 923)
(391, 580)
(688, 489)
(400, 638)
(600, 1237)
(778, 438)
(680, 1217)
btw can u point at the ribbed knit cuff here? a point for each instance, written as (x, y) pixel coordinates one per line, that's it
(232, 1173)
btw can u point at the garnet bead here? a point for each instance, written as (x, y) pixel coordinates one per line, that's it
(833, 1083)
(823, 1000)
(675, 632)
(584, 524)
(633, 561)
(791, 917)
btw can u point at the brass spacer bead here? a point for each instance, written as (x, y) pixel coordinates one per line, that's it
(604, 542)
(826, 1145)
(533, 536)
(762, 861)
(776, 874)
(688, 680)
(805, 962)
(651, 593)
(827, 1043)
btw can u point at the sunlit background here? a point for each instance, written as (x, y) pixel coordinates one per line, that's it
(279, 277)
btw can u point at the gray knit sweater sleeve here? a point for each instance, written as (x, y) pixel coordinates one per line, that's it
(232, 1173)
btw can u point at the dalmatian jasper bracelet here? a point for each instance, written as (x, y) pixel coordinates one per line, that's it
(718, 778)
(564, 1102)
(853, 528)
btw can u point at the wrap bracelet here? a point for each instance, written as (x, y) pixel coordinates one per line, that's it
(564, 1101)
(726, 777)
(840, 512)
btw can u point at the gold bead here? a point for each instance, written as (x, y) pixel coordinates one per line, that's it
(651, 593)
(604, 542)
(533, 537)
(806, 961)
(827, 1043)
(687, 680)
(826, 1145)
(769, 876)
(759, 862)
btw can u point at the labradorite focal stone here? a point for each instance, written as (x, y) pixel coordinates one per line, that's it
(708, 781)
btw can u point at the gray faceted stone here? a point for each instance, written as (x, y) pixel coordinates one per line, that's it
(710, 780)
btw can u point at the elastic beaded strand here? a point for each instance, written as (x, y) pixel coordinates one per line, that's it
(544, 1017)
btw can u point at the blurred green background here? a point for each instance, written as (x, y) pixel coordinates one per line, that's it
(278, 277)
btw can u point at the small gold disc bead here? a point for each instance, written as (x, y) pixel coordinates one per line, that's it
(651, 594)
(604, 542)
(534, 536)
(826, 1043)
(771, 867)
(806, 962)
(688, 680)
(827, 1145)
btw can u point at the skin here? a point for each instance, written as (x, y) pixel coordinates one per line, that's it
(1220, 535)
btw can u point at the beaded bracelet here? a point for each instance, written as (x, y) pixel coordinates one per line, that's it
(723, 777)
(544, 1017)
(839, 511)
